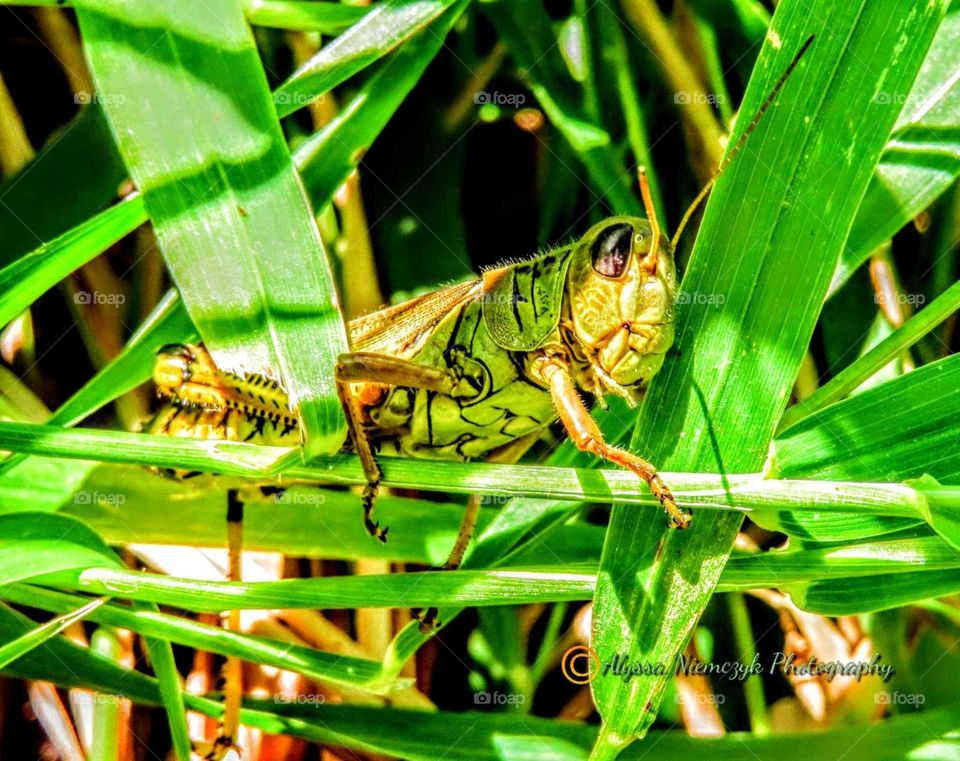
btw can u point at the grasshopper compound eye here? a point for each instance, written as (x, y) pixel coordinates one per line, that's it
(611, 250)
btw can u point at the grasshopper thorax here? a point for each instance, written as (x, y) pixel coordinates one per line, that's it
(619, 305)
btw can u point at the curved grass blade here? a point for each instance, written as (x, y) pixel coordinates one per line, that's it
(901, 429)
(866, 366)
(222, 192)
(315, 664)
(773, 226)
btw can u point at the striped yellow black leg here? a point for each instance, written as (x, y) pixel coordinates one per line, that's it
(233, 668)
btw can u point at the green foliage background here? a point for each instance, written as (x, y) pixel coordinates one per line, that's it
(798, 392)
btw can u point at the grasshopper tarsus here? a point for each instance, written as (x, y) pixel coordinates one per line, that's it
(373, 527)
(678, 518)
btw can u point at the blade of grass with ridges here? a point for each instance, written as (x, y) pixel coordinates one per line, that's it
(922, 156)
(770, 240)
(219, 184)
(474, 735)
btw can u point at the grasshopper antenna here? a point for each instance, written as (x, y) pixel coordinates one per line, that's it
(743, 139)
(651, 213)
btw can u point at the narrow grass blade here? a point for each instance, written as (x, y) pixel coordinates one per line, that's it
(382, 29)
(314, 664)
(852, 376)
(27, 278)
(171, 690)
(10, 651)
(404, 590)
(328, 156)
(922, 157)
(720, 493)
(222, 192)
(773, 227)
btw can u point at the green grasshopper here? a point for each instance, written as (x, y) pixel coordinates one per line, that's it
(478, 369)
(475, 370)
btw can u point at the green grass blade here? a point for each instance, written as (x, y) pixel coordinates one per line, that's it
(718, 493)
(27, 278)
(900, 429)
(388, 25)
(922, 156)
(404, 590)
(773, 227)
(104, 746)
(82, 150)
(314, 664)
(322, 17)
(34, 544)
(328, 156)
(10, 651)
(867, 365)
(170, 685)
(223, 194)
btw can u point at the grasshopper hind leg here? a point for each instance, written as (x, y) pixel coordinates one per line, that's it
(369, 367)
(371, 470)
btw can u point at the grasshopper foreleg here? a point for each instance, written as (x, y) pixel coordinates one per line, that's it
(587, 436)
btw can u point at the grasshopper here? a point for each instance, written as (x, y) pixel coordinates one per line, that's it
(478, 369)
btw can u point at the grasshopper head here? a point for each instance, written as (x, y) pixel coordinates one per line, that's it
(621, 294)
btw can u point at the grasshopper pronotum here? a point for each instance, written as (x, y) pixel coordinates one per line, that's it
(477, 369)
